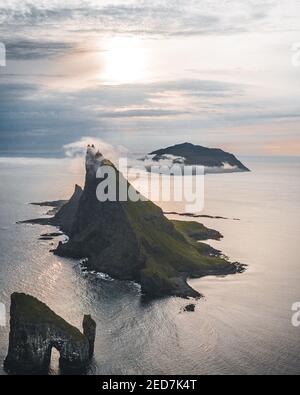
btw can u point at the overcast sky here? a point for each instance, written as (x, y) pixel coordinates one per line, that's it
(146, 74)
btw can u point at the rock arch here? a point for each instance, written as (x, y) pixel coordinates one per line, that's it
(35, 330)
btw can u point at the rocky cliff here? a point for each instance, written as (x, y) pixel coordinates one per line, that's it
(35, 330)
(65, 216)
(135, 241)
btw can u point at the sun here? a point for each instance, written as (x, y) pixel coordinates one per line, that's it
(124, 61)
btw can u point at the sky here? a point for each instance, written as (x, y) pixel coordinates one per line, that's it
(149, 74)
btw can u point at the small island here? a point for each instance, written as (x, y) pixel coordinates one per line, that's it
(213, 159)
(134, 240)
(35, 330)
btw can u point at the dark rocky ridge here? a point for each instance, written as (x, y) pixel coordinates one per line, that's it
(133, 240)
(197, 231)
(65, 212)
(201, 156)
(192, 215)
(55, 203)
(35, 330)
(65, 216)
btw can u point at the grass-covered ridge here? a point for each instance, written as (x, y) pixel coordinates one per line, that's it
(170, 247)
(33, 311)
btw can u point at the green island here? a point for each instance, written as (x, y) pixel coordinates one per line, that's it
(134, 240)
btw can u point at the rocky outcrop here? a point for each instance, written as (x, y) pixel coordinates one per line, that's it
(64, 212)
(66, 215)
(35, 330)
(190, 308)
(197, 231)
(89, 331)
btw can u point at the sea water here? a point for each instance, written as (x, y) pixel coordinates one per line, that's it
(243, 325)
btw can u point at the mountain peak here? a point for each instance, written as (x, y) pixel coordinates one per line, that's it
(95, 159)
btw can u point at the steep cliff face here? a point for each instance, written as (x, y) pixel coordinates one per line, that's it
(89, 331)
(63, 212)
(101, 230)
(135, 241)
(66, 215)
(35, 330)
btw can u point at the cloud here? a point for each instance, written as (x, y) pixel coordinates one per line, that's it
(35, 119)
(78, 148)
(24, 161)
(156, 18)
(27, 50)
(142, 113)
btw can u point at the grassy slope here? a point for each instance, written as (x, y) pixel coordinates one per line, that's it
(169, 252)
(37, 312)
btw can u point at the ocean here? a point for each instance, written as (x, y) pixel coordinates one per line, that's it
(242, 325)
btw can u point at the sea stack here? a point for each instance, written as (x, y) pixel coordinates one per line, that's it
(35, 329)
(133, 240)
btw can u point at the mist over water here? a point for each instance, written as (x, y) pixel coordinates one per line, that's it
(241, 326)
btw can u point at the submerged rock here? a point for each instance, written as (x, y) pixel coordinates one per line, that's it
(190, 308)
(35, 329)
(54, 234)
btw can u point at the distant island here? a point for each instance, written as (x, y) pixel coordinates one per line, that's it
(196, 155)
(134, 240)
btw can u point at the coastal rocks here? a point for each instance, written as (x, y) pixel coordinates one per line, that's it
(89, 331)
(64, 213)
(54, 234)
(35, 330)
(197, 231)
(50, 236)
(190, 308)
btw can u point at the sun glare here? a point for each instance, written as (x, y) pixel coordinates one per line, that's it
(125, 61)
